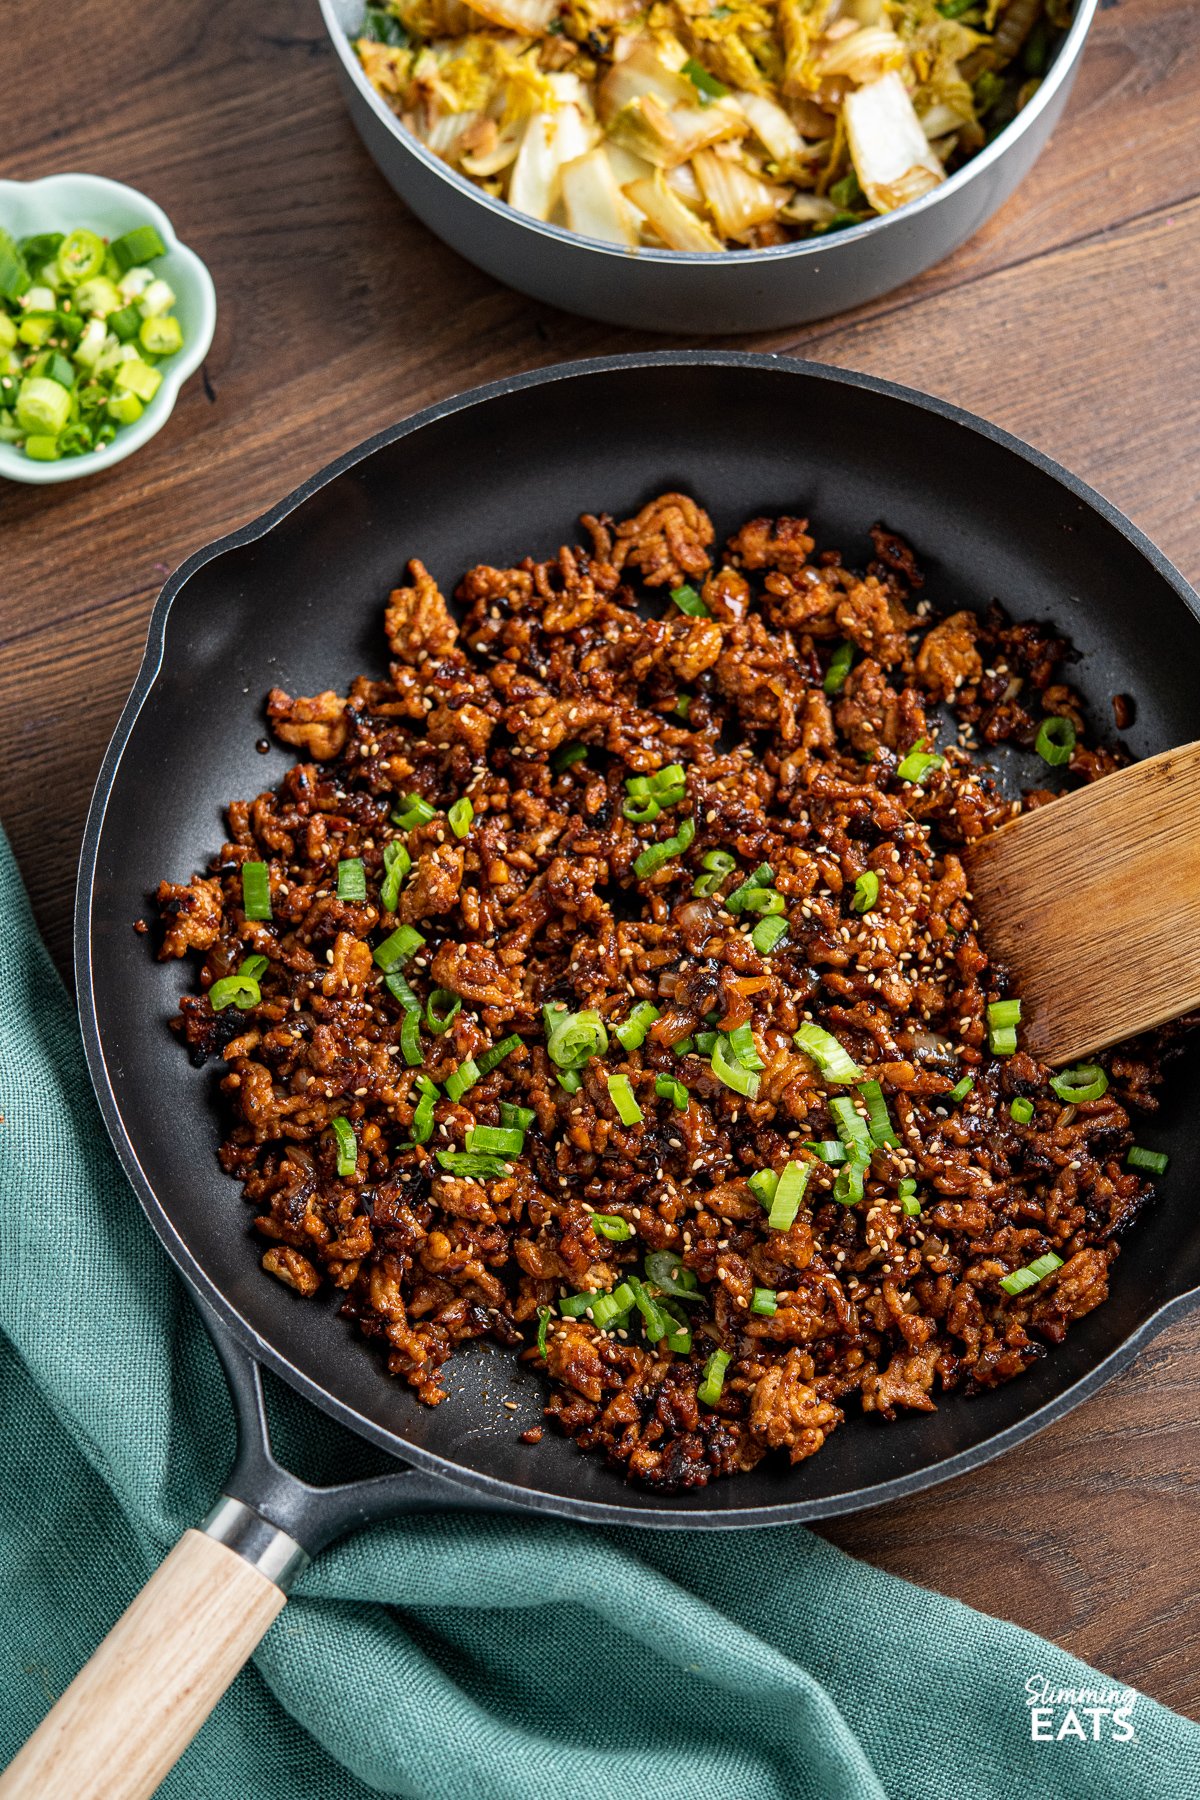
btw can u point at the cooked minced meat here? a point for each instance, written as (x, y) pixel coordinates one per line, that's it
(779, 1237)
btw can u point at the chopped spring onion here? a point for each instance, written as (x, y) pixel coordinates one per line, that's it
(1154, 1160)
(762, 1185)
(256, 890)
(567, 757)
(612, 1310)
(852, 1129)
(576, 1038)
(1002, 1018)
(631, 1033)
(1055, 741)
(1003, 1041)
(1031, 1274)
(472, 1167)
(640, 807)
(910, 1206)
(679, 1335)
(764, 900)
(683, 705)
(396, 865)
(918, 762)
(830, 1150)
(767, 933)
(347, 1146)
(688, 601)
(666, 1271)
(492, 1058)
(764, 1303)
(410, 1037)
(741, 1042)
(462, 1078)
(422, 1125)
(706, 85)
(719, 864)
(738, 900)
(351, 879)
(1085, 1082)
(544, 1316)
(1004, 1012)
(667, 1088)
(651, 860)
(136, 248)
(657, 1322)
(848, 1182)
(1021, 1110)
(839, 668)
(879, 1120)
(460, 816)
(649, 794)
(866, 891)
(412, 811)
(713, 1379)
(788, 1194)
(254, 967)
(238, 990)
(612, 1226)
(496, 1140)
(399, 989)
(441, 1008)
(574, 1306)
(961, 1089)
(835, 1063)
(516, 1118)
(622, 1097)
(397, 947)
(727, 1068)
(570, 1080)
(684, 1046)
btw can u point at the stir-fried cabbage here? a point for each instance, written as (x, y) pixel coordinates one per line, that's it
(695, 126)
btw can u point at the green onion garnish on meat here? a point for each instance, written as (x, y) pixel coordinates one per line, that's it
(1085, 1082)
(961, 1089)
(651, 860)
(397, 947)
(396, 864)
(1154, 1161)
(789, 1192)
(460, 816)
(575, 1038)
(612, 1226)
(351, 879)
(1031, 1274)
(839, 668)
(347, 1146)
(256, 890)
(631, 1032)
(834, 1062)
(688, 601)
(412, 811)
(765, 1302)
(1021, 1110)
(713, 1379)
(622, 1096)
(919, 761)
(410, 1038)
(441, 1009)
(1055, 741)
(866, 891)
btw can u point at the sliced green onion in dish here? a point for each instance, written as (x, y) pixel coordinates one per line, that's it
(762, 1185)
(765, 1303)
(570, 1080)
(679, 1334)
(879, 1122)
(1031, 1274)
(460, 817)
(256, 890)
(574, 1306)
(351, 879)
(640, 807)
(1055, 741)
(829, 1150)
(1085, 1082)
(919, 761)
(683, 706)
(441, 1009)
(567, 757)
(713, 1379)
(347, 1146)
(658, 1323)
(496, 1140)
(622, 1096)
(740, 899)
(1154, 1161)
(1003, 1017)
(461, 1079)
(741, 1042)
(612, 1226)
(667, 1088)
(651, 860)
(839, 668)
(399, 989)
(1021, 1110)
(544, 1317)
(961, 1089)
(789, 1192)
(397, 947)
(728, 1068)
(254, 967)
(852, 1128)
(516, 1118)
(706, 85)
(767, 933)
(396, 864)
(666, 1271)
(240, 990)
(631, 1032)
(866, 891)
(683, 1046)
(575, 1038)
(719, 864)
(611, 1311)
(849, 1182)
(412, 811)
(906, 1190)
(469, 1165)
(410, 1038)
(487, 1060)
(834, 1062)
(422, 1125)
(688, 601)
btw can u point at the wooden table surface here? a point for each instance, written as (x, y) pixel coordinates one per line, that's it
(1070, 320)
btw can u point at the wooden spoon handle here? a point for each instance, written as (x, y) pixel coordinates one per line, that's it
(135, 1707)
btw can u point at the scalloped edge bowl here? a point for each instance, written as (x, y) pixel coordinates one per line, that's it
(62, 202)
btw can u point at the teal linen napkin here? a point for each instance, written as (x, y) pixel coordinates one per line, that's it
(463, 1657)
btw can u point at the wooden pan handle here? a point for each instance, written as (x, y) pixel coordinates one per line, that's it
(135, 1707)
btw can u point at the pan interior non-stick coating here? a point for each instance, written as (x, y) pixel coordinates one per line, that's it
(301, 607)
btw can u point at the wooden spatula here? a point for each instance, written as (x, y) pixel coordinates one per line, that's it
(1094, 904)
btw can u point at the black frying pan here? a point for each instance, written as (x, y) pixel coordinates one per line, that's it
(296, 599)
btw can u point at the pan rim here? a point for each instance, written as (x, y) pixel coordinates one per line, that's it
(637, 1511)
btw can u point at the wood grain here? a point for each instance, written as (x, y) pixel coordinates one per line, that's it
(1068, 319)
(1094, 905)
(136, 1705)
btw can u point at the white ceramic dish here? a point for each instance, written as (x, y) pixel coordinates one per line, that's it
(63, 202)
